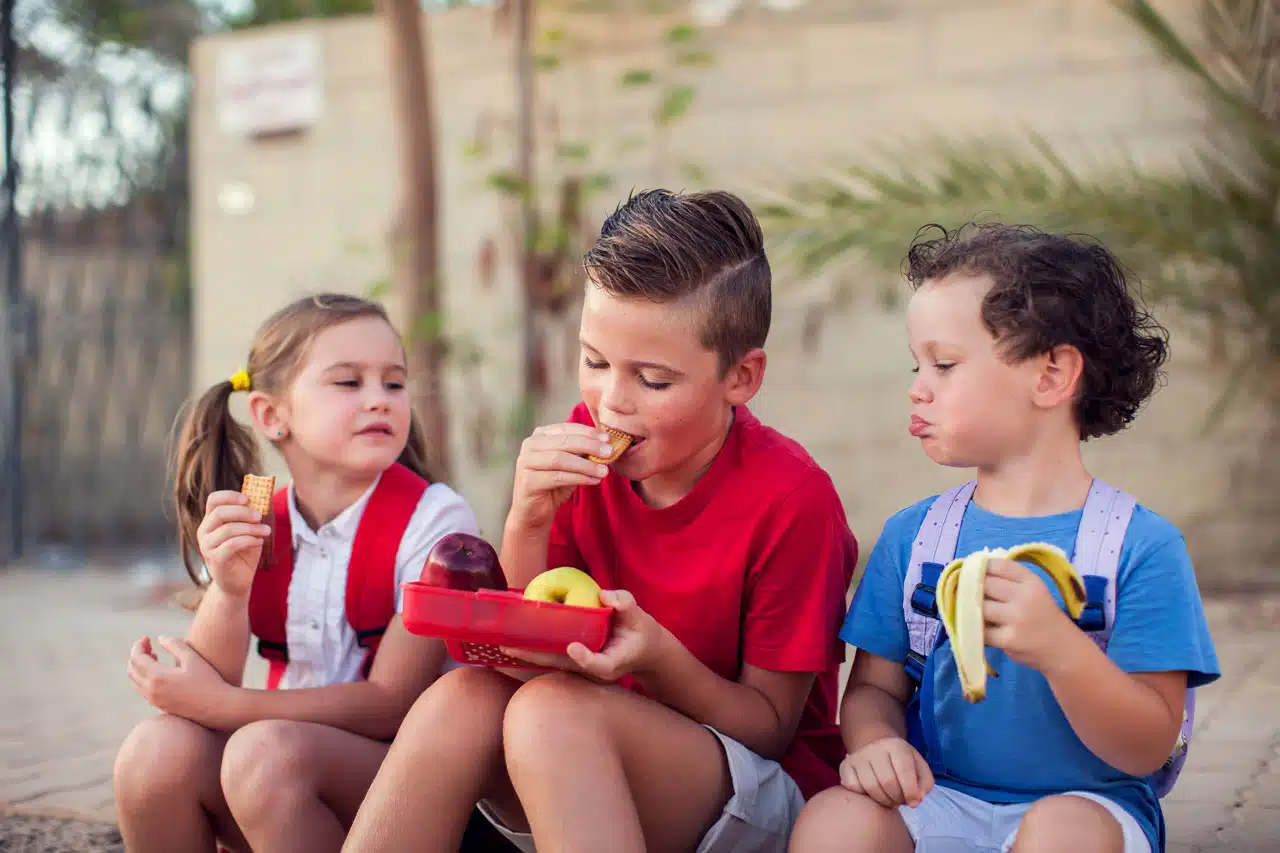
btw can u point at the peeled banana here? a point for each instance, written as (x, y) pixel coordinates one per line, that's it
(960, 592)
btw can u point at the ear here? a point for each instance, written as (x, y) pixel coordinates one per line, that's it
(270, 419)
(1059, 377)
(744, 378)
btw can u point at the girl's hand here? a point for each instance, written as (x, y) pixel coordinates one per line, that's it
(231, 538)
(1023, 618)
(632, 646)
(552, 463)
(191, 689)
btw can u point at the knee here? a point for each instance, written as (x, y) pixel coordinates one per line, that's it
(832, 818)
(469, 699)
(159, 759)
(1065, 824)
(547, 704)
(263, 769)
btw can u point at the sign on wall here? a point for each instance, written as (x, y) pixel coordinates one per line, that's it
(269, 84)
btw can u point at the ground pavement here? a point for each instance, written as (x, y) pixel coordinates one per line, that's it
(66, 703)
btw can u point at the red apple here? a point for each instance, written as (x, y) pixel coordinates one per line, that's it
(463, 561)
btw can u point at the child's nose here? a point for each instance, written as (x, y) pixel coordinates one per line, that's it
(919, 391)
(614, 396)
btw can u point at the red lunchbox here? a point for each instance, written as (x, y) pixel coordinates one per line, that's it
(475, 624)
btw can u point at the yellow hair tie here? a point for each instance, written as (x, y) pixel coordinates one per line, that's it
(240, 381)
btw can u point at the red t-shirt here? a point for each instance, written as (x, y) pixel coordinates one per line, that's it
(751, 566)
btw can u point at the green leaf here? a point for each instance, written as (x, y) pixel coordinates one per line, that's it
(598, 182)
(681, 34)
(546, 62)
(507, 182)
(636, 77)
(676, 101)
(577, 151)
(427, 327)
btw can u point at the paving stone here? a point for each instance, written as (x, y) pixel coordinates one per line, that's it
(1195, 824)
(1253, 825)
(1215, 755)
(1214, 787)
(1265, 792)
(65, 712)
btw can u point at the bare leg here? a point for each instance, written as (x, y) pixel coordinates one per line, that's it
(600, 768)
(840, 821)
(1067, 824)
(446, 757)
(297, 786)
(167, 791)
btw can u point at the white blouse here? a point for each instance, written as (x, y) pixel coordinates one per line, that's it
(322, 644)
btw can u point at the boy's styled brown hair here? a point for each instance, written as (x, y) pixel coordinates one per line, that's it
(214, 451)
(1049, 290)
(705, 248)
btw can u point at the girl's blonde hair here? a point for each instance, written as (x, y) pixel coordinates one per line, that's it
(214, 451)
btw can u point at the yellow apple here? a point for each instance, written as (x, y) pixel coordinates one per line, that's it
(565, 585)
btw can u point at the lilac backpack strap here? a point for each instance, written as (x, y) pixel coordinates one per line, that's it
(1107, 512)
(1103, 525)
(934, 543)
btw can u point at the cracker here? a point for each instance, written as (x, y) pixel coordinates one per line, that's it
(260, 491)
(620, 441)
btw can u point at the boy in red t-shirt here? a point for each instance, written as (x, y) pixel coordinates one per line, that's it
(723, 548)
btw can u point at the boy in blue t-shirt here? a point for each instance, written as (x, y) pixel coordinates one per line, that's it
(1027, 344)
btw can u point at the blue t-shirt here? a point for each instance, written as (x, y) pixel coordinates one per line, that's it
(1017, 745)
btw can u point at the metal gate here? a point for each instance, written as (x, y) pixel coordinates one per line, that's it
(12, 341)
(95, 359)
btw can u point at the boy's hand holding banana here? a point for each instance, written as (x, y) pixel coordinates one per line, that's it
(990, 599)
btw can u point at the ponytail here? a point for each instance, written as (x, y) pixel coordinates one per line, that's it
(213, 453)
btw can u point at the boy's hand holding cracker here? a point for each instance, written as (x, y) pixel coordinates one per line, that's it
(232, 534)
(554, 461)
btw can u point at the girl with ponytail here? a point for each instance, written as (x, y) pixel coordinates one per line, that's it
(286, 769)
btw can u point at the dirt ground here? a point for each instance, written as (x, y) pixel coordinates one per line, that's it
(27, 834)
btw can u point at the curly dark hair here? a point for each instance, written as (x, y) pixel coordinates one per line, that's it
(1051, 290)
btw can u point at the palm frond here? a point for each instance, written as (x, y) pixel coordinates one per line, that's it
(1205, 237)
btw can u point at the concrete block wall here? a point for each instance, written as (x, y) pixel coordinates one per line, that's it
(788, 93)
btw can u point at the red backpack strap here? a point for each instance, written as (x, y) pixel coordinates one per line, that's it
(269, 596)
(371, 575)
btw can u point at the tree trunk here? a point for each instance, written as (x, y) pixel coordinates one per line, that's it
(415, 244)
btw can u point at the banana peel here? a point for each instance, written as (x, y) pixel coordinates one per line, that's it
(960, 593)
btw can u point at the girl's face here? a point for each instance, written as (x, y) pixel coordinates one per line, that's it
(348, 410)
(970, 407)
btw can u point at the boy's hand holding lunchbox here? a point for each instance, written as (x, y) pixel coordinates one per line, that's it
(633, 648)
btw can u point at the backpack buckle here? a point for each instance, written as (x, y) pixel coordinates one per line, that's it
(914, 665)
(1094, 616)
(924, 598)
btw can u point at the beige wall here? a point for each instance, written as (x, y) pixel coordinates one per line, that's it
(788, 92)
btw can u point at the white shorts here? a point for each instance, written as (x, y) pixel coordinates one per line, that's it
(757, 819)
(948, 821)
